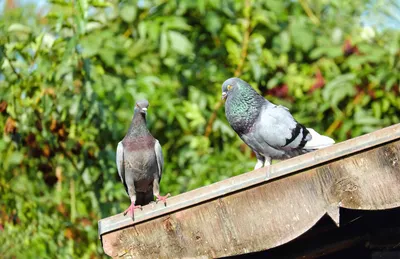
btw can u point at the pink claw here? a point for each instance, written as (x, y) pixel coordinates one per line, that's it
(131, 209)
(163, 198)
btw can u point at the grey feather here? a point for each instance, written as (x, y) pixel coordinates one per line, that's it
(159, 157)
(120, 163)
(276, 126)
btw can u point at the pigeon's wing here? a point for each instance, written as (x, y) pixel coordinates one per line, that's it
(279, 129)
(159, 157)
(120, 163)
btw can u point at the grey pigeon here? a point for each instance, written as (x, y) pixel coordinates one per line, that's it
(140, 161)
(268, 129)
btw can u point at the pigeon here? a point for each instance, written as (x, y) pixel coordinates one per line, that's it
(140, 162)
(268, 129)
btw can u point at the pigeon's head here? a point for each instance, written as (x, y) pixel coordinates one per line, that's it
(141, 106)
(229, 85)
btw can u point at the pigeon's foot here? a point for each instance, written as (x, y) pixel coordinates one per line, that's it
(259, 164)
(163, 198)
(131, 210)
(268, 174)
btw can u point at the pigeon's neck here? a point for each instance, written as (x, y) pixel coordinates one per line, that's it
(242, 108)
(138, 126)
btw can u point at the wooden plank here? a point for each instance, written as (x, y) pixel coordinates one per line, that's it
(249, 179)
(266, 215)
(361, 233)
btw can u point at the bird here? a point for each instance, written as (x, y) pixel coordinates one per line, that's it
(140, 162)
(268, 129)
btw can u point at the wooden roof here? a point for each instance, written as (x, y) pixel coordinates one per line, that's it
(248, 213)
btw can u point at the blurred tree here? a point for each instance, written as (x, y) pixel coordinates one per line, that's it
(69, 80)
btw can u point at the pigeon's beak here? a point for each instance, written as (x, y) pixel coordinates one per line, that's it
(224, 95)
(144, 110)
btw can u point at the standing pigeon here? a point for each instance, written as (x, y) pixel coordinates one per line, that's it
(140, 161)
(269, 130)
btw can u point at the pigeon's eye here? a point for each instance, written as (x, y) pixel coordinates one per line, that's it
(229, 87)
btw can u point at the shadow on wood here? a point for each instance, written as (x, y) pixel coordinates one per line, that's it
(362, 234)
(246, 214)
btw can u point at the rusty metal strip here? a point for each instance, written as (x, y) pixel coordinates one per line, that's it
(249, 179)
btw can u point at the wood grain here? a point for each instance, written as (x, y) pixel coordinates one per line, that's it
(269, 214)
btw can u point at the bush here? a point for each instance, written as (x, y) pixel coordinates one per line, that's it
(70, 78)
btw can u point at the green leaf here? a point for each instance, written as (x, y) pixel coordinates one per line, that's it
(179, 43)
(15, 158)
(17, 27)
(101, 4)
(385, 105)
(276, 6)
(83, 7)
(302, 36)
(376, 107)
(285, 42)
(213, 22)
(128, 13)
(233, 31)
(233, 50)
(176, 23)
(108, 56)
(362, 117)
(331, 52)
(163, 43)
(339, 88)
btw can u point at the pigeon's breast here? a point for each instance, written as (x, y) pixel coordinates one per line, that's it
(241, 121)
(140, 158)
(139, 143)
(142, 165)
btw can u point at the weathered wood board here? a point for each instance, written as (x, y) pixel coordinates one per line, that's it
(266, 214)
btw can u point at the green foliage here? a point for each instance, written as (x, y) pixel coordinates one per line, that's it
(69, 81)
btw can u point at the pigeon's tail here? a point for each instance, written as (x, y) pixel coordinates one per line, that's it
(318, 141)
(144, 198)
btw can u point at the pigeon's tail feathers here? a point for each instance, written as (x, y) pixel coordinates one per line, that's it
(144, 198)
(318, 141)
